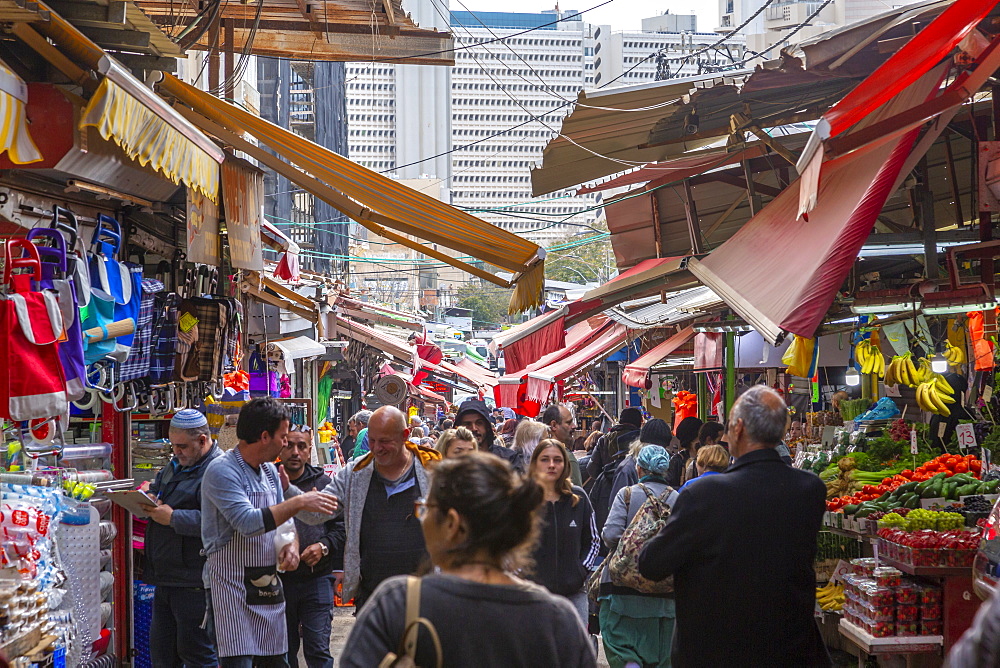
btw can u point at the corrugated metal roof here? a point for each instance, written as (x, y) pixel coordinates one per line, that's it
(651, 312)
(614, 123)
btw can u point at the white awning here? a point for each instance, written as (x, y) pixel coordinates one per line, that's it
(285, 351)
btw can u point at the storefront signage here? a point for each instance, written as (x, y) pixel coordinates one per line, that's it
(202, 229)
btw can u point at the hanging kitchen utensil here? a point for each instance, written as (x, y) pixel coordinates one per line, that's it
(56, 276)
(32, 384)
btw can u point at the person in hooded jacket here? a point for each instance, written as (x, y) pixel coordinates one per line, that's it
(568, 542)
(474, 415)
(616, 441)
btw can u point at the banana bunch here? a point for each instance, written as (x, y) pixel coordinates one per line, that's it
(901, 370)
(830, 597)
(935, 394)
(870, 358)
(955, 355)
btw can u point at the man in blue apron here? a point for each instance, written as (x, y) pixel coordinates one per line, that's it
(242, 503)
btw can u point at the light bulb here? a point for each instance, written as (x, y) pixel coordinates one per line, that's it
(939, 364)
(852, 377)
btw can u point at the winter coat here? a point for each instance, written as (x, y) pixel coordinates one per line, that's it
(173, 553)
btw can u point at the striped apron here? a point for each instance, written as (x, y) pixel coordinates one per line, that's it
(248, 602)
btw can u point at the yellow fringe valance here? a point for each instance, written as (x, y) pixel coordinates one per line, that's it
(150, 140)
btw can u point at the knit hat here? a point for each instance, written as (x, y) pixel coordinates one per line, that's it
(656, 432)
(687, 430)
(653, 459)
(632, 416)
(188, 418)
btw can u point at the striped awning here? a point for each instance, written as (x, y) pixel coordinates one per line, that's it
(150, 140)
(14, 136)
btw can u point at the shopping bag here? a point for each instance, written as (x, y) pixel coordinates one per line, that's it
(32, 385)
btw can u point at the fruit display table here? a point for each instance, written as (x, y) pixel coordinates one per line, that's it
(869, 644)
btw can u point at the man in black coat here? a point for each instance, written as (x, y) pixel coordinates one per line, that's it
(741, 548)
(173, 548)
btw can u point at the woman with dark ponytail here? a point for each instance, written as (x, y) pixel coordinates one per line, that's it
(480, 522)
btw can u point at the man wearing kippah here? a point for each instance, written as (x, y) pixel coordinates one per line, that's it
(173, 548)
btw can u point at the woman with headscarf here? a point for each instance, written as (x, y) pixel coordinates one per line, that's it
(636, 627)
(687, 434)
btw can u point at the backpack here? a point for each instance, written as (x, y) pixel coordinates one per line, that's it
(623, 564)
(600, 491)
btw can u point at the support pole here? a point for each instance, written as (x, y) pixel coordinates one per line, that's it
(703, 398)
(116, 430)
(925, 200)
(229, 90)
(730, 371)
(213, 54)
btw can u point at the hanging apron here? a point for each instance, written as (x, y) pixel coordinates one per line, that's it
(248, 603)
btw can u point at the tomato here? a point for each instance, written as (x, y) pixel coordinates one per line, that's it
(961, 468)
(976, 466)
(908, 474)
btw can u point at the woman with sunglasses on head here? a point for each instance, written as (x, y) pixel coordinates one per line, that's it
(479, 520)
(568, 545)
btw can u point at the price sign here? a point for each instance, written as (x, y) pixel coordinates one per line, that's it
(987, 393)
(913, 441)
(942, 428)
(966, 436)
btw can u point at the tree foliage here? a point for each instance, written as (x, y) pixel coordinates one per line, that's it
(592, 262)
(487, 302)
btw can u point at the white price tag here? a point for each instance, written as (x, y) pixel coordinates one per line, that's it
(849, 426)
(913, 441)
(966, 434)
(942, 428)
(987, 393)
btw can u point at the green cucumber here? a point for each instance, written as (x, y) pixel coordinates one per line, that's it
(932, 491)
(992, 486)
(914, 502)
(950, 491)
(851, 509)
(966, 490)
(908, 487)
(864, 512)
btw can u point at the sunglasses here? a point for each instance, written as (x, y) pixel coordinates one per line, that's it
(300, 427)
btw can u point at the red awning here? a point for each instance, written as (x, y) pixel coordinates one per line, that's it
(428, 395)
(781, 273)
(636, 374)
(610, 338)
(917, 57)
(525, 343)
(387, 343)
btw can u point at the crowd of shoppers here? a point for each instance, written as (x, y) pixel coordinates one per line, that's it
(514, 537)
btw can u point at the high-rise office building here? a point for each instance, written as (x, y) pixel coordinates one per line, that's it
(479, 128)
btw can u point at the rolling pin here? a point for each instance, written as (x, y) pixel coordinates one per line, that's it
(112, 331)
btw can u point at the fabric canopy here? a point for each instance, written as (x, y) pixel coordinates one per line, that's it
(14, 136)
(288, 265)
(467, 369)
(607, 340)
(780, 272)
(529, 341)
(387, 343)
(150, 140)
(636, 374)
(371, 199)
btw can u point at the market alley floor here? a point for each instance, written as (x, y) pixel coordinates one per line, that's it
(343, 620)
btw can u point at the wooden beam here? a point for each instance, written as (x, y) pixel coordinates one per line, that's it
(774, 144)
(135, 61)
(739, 182)
(78, 11)
(725, 215)
(953, 179)
(115, 38)
(230, 39)
(752, 196)
(691, 213)
(213, 53)
(54, 56)
(309, 15)
(390, 15)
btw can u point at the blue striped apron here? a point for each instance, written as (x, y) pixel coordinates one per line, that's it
(248, 602)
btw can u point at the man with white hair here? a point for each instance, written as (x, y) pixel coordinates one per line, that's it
(722, 538)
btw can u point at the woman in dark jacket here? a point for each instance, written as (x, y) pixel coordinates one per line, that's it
(687, 433)
(568, 543)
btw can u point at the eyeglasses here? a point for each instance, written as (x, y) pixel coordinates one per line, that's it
(420, 507)
(300, 427)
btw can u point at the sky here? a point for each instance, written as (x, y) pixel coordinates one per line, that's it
(619, 14)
